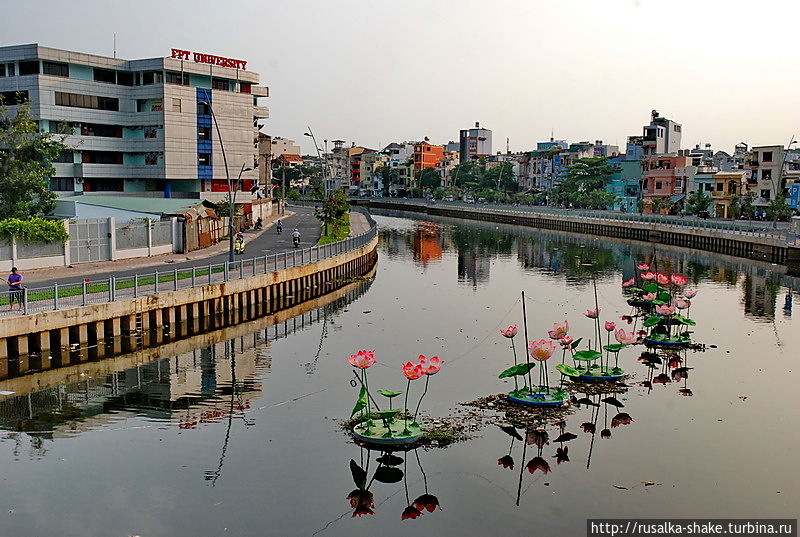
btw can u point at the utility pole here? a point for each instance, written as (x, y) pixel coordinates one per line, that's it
(283, 187)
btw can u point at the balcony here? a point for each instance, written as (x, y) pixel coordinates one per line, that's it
(260, 112)
(260, 91)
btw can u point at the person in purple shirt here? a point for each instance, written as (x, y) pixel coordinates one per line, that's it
(15, 293)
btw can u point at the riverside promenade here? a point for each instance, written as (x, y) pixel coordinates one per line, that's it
(763, 241)
(101, 316)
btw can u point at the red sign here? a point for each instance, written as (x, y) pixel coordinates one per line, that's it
(208, 58)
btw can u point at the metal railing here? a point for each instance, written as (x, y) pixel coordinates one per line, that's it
(93, 291)
(779, 231)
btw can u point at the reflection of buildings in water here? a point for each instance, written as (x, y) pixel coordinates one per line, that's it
(158, 389)
(760, 294)
(394, 243)
(473, 267)
(428, 243)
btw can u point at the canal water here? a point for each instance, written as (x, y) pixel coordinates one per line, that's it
(243, 437)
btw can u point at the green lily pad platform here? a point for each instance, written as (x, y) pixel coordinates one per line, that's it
(673, 342)
(394, 435)
(541, 396)
(599, 373)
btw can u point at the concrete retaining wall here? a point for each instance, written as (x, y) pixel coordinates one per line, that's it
(145, 321)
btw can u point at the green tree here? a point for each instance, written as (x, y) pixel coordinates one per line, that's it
(778, 209)
(26, 164)
(502, 174)
(293, 194)
(698, 203)
(332, 210)
(430, 178)
(746, 207)
(585, 176)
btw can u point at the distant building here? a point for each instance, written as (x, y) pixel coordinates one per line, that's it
(426, 156)
(661, 136)
(765, 164)
(666, 177)
(726, 186)
(475, 143)
(625, 184)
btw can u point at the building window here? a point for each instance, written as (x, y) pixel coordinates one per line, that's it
(766, 156)
(2, 69)
(108, 131)
(203, 109)
(731, 188)
(10, 69)
(125, 78)
(204, 159)
(177, 78)
(245, 87)
(10, 98)
(151, 77)
(658, 185)
(766, 175)
(65, 157)
(29, 68)
(77, 100)
(102, 157)
(719, 187)
(61, 127)
(176, 105)
(105, 75)
(765, 194)
(204, 133)
(220, 84)
(62, 184)
(55, 69)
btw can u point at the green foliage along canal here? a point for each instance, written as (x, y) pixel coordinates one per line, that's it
(244, 437)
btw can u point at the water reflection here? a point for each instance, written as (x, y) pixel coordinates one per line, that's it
(577, 258)
(392, 468)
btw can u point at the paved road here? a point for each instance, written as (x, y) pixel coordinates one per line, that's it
(269, 242)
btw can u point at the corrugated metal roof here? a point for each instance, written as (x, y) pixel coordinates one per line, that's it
(139, 205)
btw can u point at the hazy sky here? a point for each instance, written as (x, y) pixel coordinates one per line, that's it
(379, 71)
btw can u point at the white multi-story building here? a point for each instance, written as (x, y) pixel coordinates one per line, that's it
(661, 136)
(475, 143)
(141, 127)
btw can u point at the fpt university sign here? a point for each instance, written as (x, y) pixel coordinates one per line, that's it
(199, 57)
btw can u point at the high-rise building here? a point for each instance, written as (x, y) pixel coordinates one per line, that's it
(475, 143)
(141, 127)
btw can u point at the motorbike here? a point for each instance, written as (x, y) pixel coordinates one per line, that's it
(296, 241)
(258, 225)
(238, 246)
(279, 227)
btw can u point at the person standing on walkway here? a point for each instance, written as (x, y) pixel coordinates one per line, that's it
(15, 292)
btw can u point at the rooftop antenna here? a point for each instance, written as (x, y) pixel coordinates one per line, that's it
(508, 151)
(115, 45)
(551, 134)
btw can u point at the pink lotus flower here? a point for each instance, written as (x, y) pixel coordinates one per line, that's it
(566, 342)
(678, 280)
(662, 279)
(647, 275)
(541, 350)
(610, 326)
(643, 266)
(413, 371)
(593, 314)
(664, 309)
(362, 359)
(628, 283)
(431, 365)
(510, 332)
(682, 304)
(690, 293)
(626, 338)
(559, 330)
(649, 296)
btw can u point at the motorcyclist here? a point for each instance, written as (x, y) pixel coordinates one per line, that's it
(259, 224)
(295, 237)
(279, 226)
(238, 243)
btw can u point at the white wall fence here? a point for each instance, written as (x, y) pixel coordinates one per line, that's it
(93, 240)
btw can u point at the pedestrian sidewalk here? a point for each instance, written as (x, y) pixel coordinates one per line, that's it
(85, 269)
(358, 223)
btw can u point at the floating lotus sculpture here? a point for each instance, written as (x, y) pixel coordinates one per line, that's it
(541, 394)
(394, 425)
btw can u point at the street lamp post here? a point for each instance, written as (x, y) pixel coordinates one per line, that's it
(310, 134)
(231, 187)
